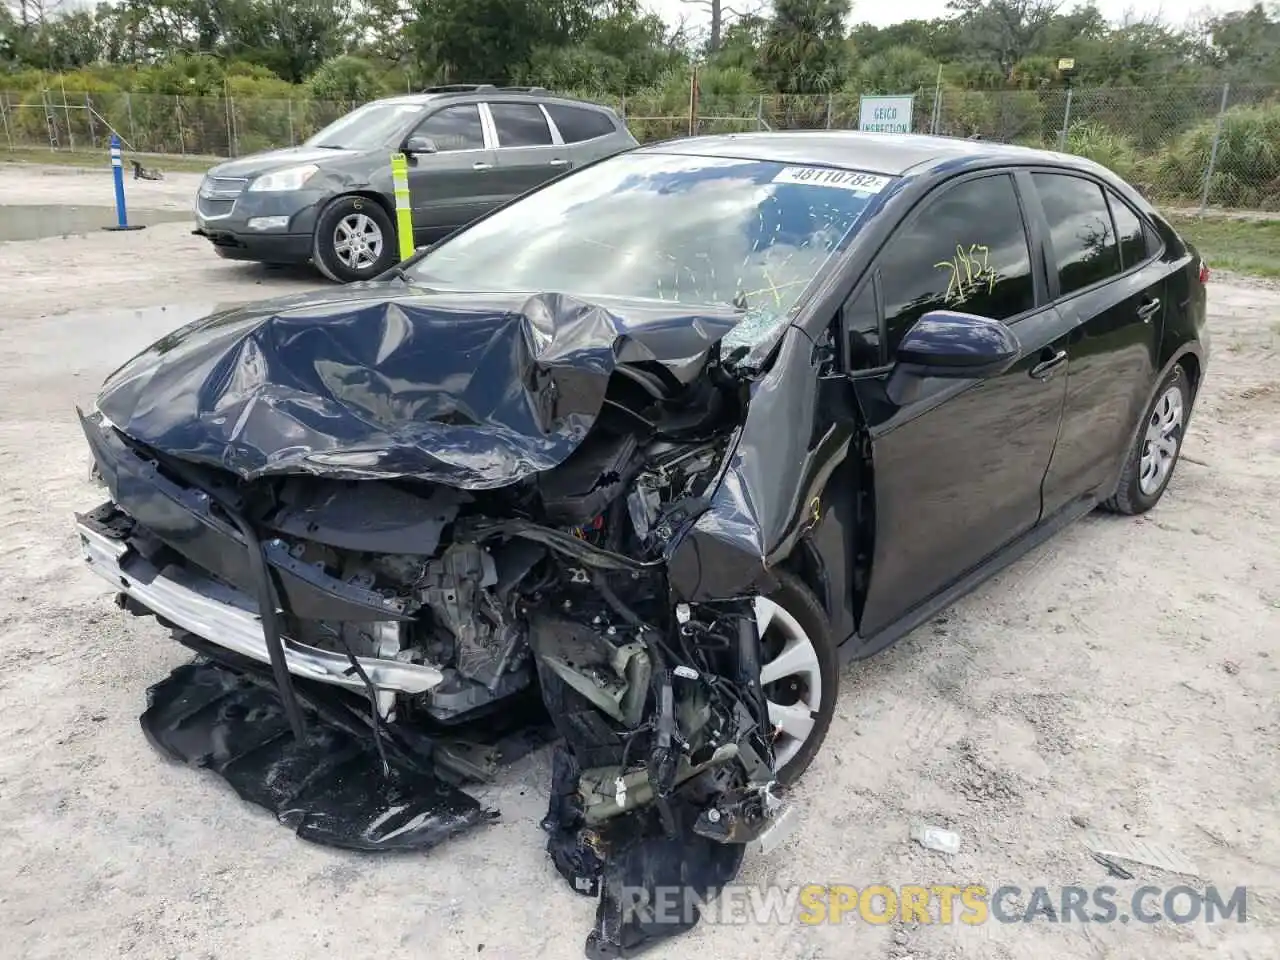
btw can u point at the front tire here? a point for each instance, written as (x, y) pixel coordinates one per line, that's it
(1150, 463)
(799, 671)
(354, 240)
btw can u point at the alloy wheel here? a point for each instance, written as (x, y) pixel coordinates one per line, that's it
(357, 241)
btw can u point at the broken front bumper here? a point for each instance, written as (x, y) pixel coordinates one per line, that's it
(228, 618)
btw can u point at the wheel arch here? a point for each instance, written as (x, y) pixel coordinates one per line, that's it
(369, 194)
(1191, 363)
(1190, 359)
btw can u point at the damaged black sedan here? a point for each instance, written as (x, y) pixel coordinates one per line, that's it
(629, 466)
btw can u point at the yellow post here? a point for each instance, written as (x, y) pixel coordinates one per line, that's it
(404, 205)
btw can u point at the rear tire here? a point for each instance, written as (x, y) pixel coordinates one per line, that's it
(354, 240)
(799, 671)
(1150, 463)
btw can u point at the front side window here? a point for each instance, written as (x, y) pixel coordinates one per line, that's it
(748, 235)
(520, 125)
(373, 125)
(860, 321)
(966, 250)
(1080, 230)
(454, 128)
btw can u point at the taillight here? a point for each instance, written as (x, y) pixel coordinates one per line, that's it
(1204, 272)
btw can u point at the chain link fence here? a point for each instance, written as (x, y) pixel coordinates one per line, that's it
(1215, 145)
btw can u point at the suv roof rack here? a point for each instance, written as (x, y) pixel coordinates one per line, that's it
(483, 88)
(460, 88)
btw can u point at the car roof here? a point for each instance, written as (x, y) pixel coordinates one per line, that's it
(891, 154)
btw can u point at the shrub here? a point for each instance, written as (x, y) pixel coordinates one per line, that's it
(1247, 167)
(1115, 151)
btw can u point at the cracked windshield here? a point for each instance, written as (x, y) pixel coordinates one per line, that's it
(699, 231)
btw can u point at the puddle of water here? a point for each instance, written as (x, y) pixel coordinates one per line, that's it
(31, 222)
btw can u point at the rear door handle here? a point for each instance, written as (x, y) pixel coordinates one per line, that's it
(559, 162)
(1045, 367)
(481, 165)
(1148, 309)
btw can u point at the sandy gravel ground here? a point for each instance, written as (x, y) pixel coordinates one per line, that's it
(1125, 677)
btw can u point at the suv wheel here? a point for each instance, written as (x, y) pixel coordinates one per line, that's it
(354, 240)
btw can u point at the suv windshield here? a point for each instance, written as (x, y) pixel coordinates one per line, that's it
(751, 234)
(366, 127)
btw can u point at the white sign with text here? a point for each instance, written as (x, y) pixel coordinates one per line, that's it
(890, 114)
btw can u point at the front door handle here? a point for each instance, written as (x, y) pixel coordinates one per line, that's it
(1044, 368)
(481, 165)
(1148, 309)
(559, 162)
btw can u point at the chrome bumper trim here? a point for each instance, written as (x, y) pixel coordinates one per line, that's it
(228, 618)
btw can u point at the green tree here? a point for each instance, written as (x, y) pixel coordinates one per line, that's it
(485, 40)
(804, 49)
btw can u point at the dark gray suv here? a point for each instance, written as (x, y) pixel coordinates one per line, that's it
(470, 148)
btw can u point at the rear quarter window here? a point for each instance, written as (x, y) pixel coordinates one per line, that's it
(580, 123)
(1131, 233)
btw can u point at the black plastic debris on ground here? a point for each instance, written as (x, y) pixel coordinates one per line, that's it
(634, 867)
(331, 789)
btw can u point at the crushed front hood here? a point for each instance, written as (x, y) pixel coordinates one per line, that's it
(471, 390)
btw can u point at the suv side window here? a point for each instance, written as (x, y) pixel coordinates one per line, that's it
(966, 249)
(578, 123)
(454, 128)
(520, 125)
(1080, 230)
(1129, 231)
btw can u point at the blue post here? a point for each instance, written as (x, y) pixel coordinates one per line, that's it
(117, 174)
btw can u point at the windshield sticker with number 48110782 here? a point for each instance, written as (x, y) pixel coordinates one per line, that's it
(827, 177)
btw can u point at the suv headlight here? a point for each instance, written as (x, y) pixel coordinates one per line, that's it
(290, 178)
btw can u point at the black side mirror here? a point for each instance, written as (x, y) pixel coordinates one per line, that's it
(954, 346)
(944, 343)
(415, 145)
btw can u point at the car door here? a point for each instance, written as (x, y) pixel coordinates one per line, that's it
(528, 153)
(1109, 285)
(453, 185)
(958, 466)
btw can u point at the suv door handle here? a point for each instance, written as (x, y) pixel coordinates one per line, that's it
(1148, 309)
(481, 165)
(1045, 367)
(559, 162)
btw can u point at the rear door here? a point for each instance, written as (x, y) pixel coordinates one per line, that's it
(528, 152)
(958, 468)
(454, 185)
(1109, 285)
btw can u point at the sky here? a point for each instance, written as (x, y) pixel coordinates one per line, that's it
(1173, 12)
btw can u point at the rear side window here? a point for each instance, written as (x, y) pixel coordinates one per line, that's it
(454, 128)
(578, 123)
(966, 250)
(520, 125)
(1084, 241)
(1130, 233)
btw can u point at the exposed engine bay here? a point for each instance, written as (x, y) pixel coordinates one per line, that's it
(390, 612)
